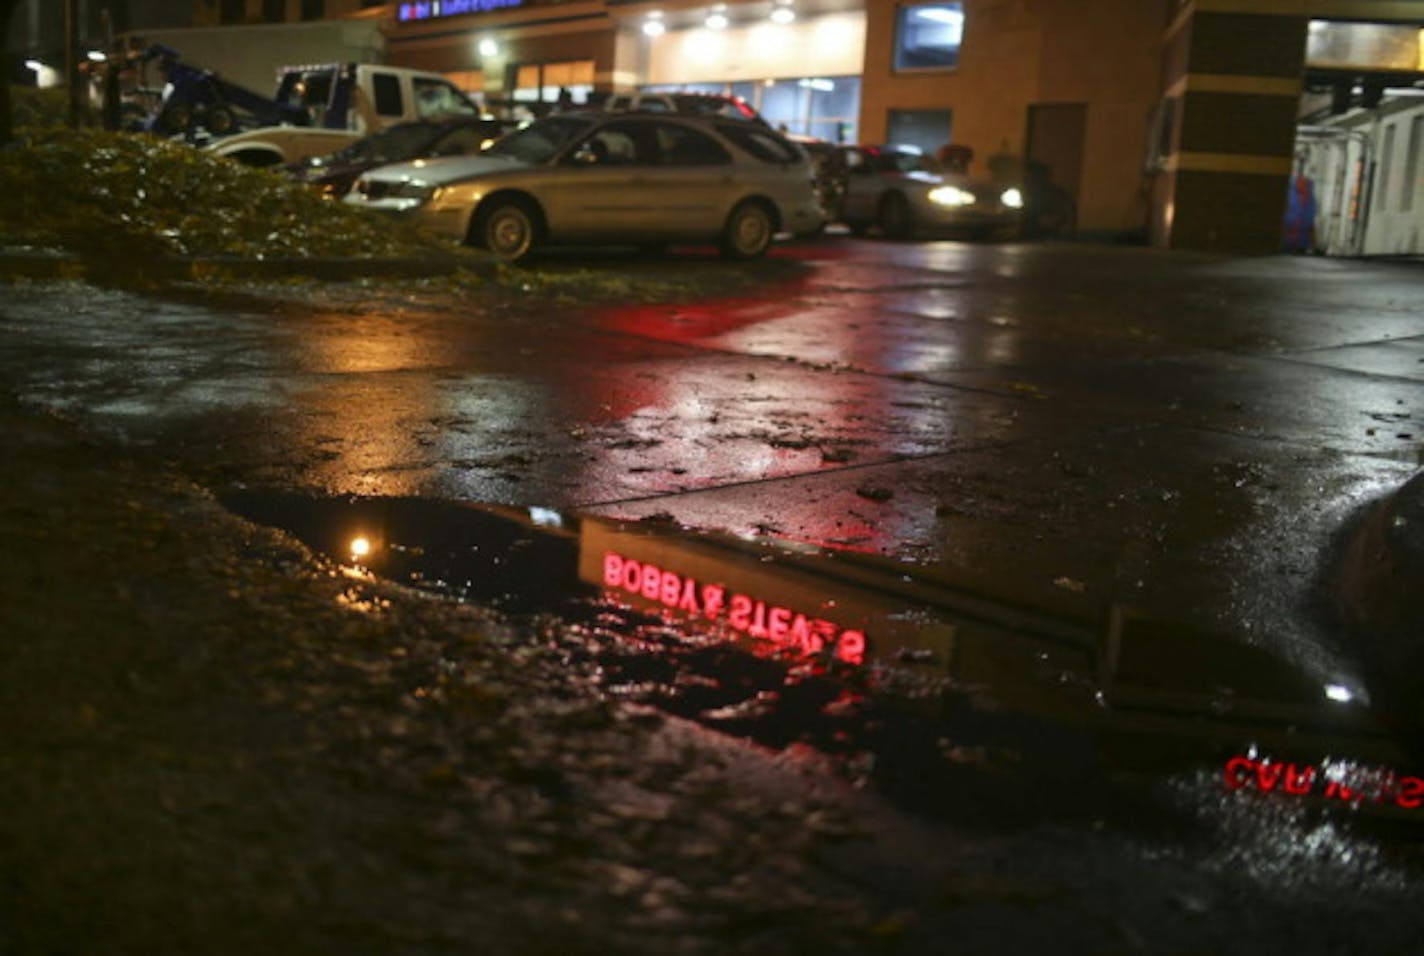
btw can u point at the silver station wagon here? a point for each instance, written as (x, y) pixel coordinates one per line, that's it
(644, 180)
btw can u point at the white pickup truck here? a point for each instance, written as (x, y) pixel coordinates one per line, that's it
(343, 103)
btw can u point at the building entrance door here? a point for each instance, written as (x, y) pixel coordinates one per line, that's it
(1053, 150)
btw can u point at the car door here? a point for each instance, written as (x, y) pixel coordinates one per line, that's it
(862, 187)
(693, 184)
(597, 186)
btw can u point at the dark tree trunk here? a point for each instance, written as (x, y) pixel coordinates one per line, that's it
(7, 118)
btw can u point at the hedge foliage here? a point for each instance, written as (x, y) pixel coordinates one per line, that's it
(132, 194)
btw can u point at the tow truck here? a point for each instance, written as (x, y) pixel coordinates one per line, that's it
(315, 109)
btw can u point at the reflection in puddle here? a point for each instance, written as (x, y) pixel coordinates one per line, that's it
(952, 700)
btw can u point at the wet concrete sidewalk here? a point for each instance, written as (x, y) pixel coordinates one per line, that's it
(1067, 428)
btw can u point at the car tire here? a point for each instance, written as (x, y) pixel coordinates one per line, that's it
(508, 229)
(894, 217)
(748, 232)
(220, 121)
(175, 120)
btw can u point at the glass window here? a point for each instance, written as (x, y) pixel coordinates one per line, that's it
(927, 36)
(926, 130)
(436, 98)
(386, 88)
(540, 141)
(781, 104)
(760, 142)
(464, 141)
(681, 146)
(310, 92)
(622, 144)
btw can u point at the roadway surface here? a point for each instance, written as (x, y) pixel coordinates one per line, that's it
(1186, 436)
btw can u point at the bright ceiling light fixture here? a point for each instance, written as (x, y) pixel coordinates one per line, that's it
(783, 14)
(717, 19)
(653, 26)
(488, 47)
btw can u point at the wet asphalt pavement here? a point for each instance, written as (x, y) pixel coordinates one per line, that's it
(1066, 429)
(1176, 433)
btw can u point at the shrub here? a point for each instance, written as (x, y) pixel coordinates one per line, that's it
(131, 194)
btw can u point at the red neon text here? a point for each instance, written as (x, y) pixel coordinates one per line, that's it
(743, 613)
(1347, 782)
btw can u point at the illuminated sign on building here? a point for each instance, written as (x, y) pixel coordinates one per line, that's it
(744, 613)
(1334, 780)
(431, 9)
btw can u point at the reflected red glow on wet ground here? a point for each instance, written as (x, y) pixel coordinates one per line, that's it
(785, 628)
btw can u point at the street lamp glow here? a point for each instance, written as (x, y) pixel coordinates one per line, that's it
(35, 65)
(96, 56)
(488, 47)
(360, 547)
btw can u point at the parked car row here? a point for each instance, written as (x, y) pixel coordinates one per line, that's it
(641, 178)
(649, 178)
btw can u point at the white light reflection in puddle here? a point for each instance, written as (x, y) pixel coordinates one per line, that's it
(1307, 829)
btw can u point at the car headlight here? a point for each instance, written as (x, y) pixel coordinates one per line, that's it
(414, 189)
(951, 196)
(1012, 198)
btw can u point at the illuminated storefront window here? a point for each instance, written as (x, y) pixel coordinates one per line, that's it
(544, 82)
(824, 107)
(927, 36)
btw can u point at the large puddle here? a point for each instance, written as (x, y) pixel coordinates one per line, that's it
(948, 697)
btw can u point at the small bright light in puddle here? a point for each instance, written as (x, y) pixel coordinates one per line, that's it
(546, 518)
(360, 547)
(1339, 692)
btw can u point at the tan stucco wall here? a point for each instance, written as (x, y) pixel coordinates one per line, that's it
(1105, 53)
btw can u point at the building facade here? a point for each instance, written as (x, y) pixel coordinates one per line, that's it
(1243, 82)
(1174, 120)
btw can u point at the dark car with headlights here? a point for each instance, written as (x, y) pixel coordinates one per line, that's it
(902, 192)
(641, 179)
(334, 173)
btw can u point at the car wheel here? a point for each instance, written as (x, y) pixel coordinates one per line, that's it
(748, 232)
(220, 121)
(895, 219)
(175, 120)
(508, 229)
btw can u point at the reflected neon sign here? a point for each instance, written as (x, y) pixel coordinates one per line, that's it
(1345, 781)
(783, 626)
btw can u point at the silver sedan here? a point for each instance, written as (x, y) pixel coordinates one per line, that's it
(578, 177)
(902, 192)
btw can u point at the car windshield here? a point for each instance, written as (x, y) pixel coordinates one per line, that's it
(401, 142)
(540, 141)
(901, 161)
